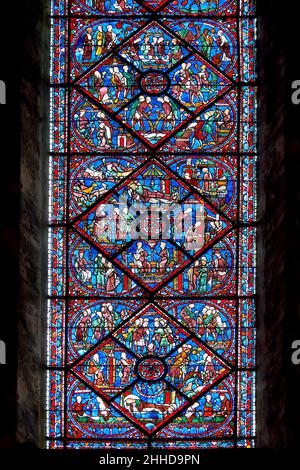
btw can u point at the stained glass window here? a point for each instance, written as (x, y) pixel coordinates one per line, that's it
(152, 215)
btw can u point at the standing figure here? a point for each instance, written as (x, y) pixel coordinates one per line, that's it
(100, 88)
(121, 5)
(160, 337)
(167, 117)
(99, 5)
(118, 82)
(224, 46)
(80, 332)
(207, 180)
(161, 50)
(93, 365)
(109, 39)
(145, 265)
(129, 82)
(220, 268)
(125, 369)
(105, 130)
(210, 322)
(137, 334)
(99, 270)
(82, 268)
(78, 407)
(142, 113)
(100, 225)
(145, 48)
(211, 118)
(103, 409)
(177, 367)
(99, 41)
(192, 275)
(134, 50)
(207, 42)
(164, 258)
(85, 321)
(107, 314)
(83, 123)
(198, 136)
(208, 407)
(225, 407)
(88, 45)
(203, 276)
(209, 369)
(112, 279)
(175, 51)
(152, 48)
(99, 379)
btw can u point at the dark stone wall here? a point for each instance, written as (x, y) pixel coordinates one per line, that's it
(24, 133)
(271, 379)
(23, 228)
(9, 238)
(34, 111)
(292, 230)
(278, 231)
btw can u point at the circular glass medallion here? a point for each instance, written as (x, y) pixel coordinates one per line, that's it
(154, 83)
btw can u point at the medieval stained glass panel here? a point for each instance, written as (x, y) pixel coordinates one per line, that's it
(152, 215)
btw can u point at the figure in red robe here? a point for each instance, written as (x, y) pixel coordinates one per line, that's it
(207, 178)
(83, 121)
(225, 406)
(100, 225)
(220, 268)
(146, 266)
(161, 50)
(208, 407)
(112, 279)
(78, 406)
(164, 258)
(224, 46)
(109, 38)
(168, 116)
(198, 134)
(88, 45)
(99, 5)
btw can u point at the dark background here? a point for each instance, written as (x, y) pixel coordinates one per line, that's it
(279, 60)
(10, 71)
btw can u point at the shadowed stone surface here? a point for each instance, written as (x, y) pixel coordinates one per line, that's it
(33, 225)
(271, 381)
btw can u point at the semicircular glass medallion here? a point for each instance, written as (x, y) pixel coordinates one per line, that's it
(152, 216)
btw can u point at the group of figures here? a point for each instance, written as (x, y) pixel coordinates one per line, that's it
(94, 413)
(93, 325)
(151, 264)
(197, 7)
(202, 275)
(140, 366)
(215, 44)
(152, 239)
(93, 179)
(151, 335)
(105, 277)
(153, 84)
(209, 129)
(96, 179)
